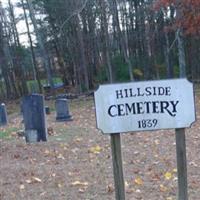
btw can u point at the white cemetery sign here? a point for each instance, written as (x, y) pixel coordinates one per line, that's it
(149, 105)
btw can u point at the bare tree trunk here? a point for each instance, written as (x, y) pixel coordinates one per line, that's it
(59, 53)
(6, 61)
(18, 60)
(41, 44)
(106, 39)
(181, 51)
(15, 32)
(35, 69)
(123, 42)
(90, 41)
(167, 57)
(82, 53)
(181, 54)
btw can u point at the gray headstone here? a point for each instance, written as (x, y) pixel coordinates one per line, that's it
(62, 110)
(31, 136)
(47, 110)
(3, 115)
(34, 115)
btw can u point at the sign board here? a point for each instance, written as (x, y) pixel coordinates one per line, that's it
(149, 105)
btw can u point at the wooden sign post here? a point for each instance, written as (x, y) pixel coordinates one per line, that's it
(144, 106)
(117, 166)
(181, 164)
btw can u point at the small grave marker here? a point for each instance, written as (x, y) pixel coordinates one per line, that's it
(144, 106)
(34, 115)
(47, 110)
(31, 136)
(62, 110)
(3, 115)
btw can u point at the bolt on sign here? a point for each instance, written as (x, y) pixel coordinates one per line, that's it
(149, 105)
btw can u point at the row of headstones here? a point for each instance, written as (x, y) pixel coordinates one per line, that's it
(34, 110)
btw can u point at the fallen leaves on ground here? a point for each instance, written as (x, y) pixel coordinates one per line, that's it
(33, 179)
(95, 150)
(21, 187)
(79, 164)
(110, 188)
(168, 175)
(138, 181)
(163, 188)
(79, 183)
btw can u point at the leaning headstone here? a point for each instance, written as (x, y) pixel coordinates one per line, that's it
(62, 110)
(3, 115)
(34, 117)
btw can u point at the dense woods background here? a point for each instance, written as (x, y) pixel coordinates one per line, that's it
(84, 43)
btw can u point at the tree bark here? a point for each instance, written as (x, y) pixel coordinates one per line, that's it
(41, 44)
(6, 61)
(181, 54)
(82, 63)
(35, 68)
(106, 40)
(18, 58)
(181, 50)
(123, 42)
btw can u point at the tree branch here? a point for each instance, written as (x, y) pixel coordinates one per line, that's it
(177, 32)
(78, 11)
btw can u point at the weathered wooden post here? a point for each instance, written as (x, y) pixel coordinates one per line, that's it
(34, 117)
(3, 115)
(181, 164)
(144, 106)
(117, 166)
(62, 110)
